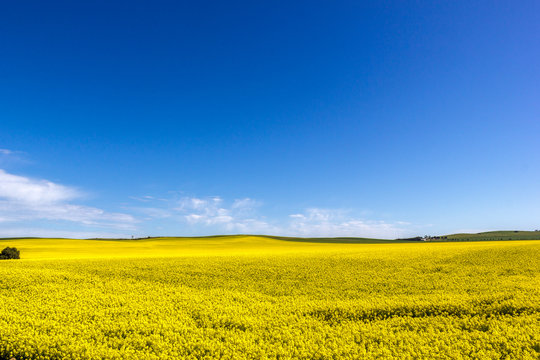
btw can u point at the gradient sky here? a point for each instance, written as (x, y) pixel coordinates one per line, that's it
(331, 118)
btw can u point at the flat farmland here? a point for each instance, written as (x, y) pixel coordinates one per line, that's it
(262, 298)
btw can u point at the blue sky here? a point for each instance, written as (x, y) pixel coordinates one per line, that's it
(381, 119)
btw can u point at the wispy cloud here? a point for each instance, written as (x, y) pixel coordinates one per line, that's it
(10, 157)
(146, 198)
(50, 233)
(213, 214)
(340, 223)
(26, 199)
(239, 216)
(152, 212)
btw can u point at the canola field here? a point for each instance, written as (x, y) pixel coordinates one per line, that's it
(260, 298)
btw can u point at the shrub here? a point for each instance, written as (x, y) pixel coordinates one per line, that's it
(10, 253)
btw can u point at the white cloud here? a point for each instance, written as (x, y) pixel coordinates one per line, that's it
(245, 203)
(26, 199)
(315, 222)
(5, 152)
(30, 201)
(29, 191)
(238, 217)
(209, 211)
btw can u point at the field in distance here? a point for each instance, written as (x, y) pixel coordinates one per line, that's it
(266, 298)
(41, 248)
(496, 235)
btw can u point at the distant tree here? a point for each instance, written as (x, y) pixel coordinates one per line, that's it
(10, 253)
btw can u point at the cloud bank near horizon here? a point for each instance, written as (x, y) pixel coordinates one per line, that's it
(39, 207)
(25, 202)
(214, 215)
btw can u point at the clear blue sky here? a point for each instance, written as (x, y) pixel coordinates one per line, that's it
(371, 118)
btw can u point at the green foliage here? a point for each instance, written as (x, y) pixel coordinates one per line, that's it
(474, 300)
(10, 253)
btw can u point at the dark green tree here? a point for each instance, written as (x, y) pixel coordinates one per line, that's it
(10, 253)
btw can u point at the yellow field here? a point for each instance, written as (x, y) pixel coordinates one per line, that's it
(260, 298)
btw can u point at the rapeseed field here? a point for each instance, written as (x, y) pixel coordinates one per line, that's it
(261, 298)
